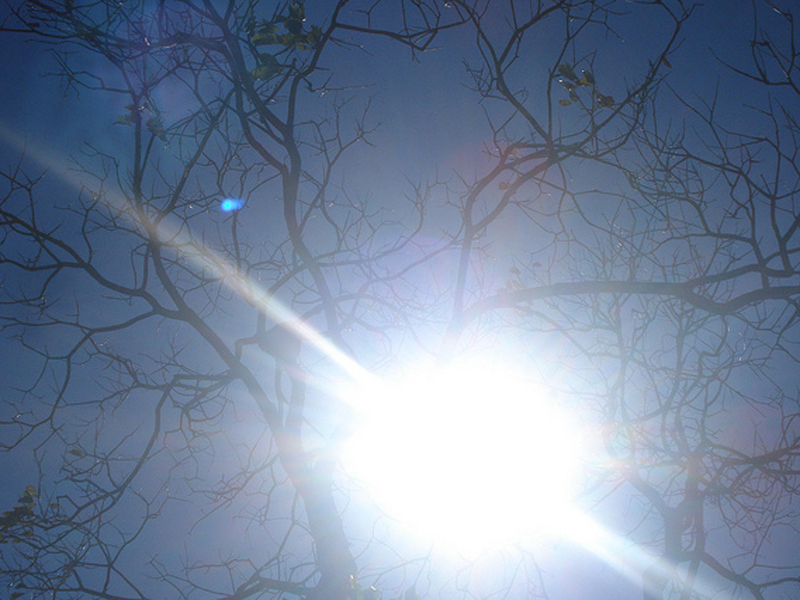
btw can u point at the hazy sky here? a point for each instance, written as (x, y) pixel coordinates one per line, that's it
(431, 127)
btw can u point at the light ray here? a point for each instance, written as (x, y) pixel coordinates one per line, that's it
(173, 235)
(627, 558)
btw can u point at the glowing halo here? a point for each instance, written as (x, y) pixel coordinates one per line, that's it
(470, 457)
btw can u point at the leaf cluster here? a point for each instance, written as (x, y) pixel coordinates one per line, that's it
(18, 522)
(571, 82)
(287, 30)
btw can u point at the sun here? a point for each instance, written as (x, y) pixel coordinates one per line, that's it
(470, 457)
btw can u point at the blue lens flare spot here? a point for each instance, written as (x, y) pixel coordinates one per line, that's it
(231, 204)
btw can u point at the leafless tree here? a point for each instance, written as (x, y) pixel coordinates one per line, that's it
(177, 354)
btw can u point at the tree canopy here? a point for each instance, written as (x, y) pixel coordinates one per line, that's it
(237, 222)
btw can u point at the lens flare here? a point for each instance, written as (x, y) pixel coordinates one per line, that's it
(231, 205)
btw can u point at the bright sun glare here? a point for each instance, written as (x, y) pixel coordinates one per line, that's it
(469, 457)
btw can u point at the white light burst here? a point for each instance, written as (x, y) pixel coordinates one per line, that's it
(470, 457)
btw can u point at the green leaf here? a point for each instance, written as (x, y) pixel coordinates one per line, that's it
(294, 26)
(604, 101)
(261, 73)
(568, 85)
(156, 126)
(573, 96)
(127, 119)
(250, 26)
(77, 452)
(567, 71)
(297, 11)
(266, 35)
(269, 67)
(565, 102)
(265, 39)
(587, 77)
(294, 22)
(314, 36)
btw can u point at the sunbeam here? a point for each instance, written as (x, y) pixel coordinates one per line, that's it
(172, 235)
